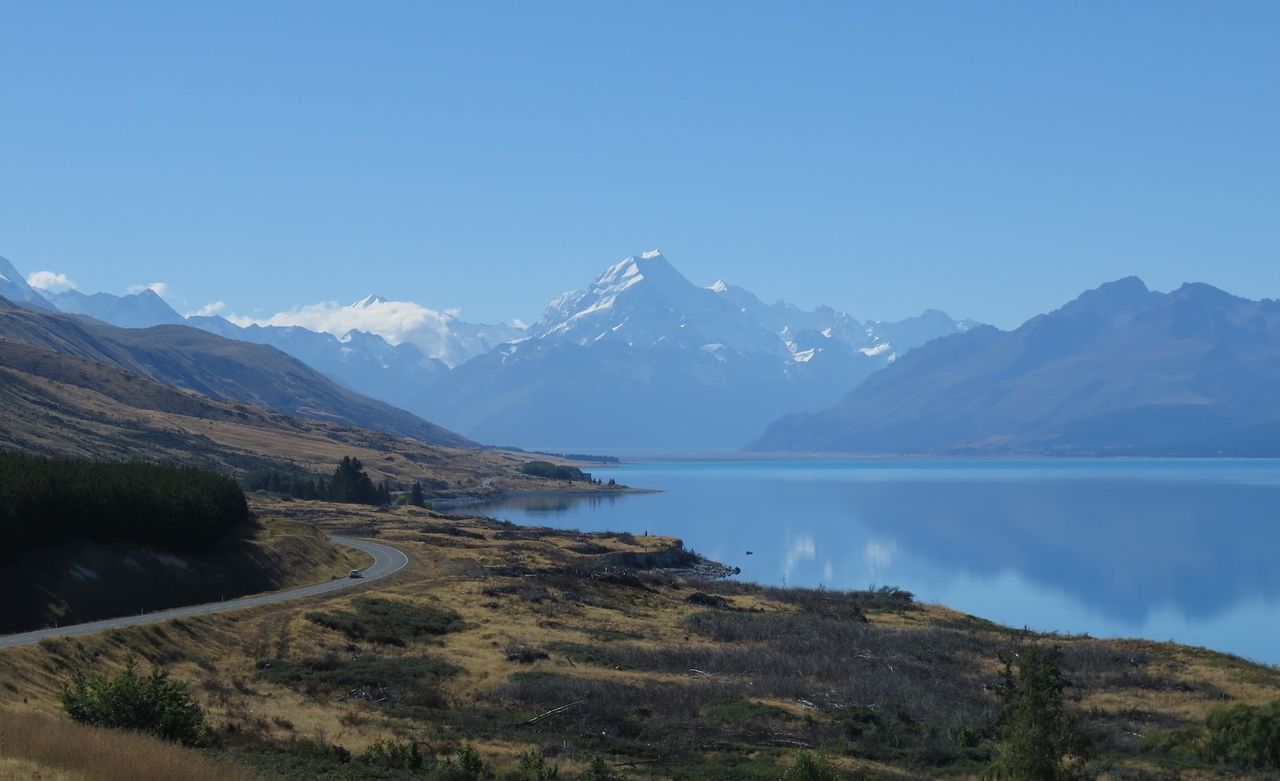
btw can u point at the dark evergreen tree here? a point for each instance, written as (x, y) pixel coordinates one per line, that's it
(1042, 739)
(51, 502)
(352, 485)
(415, 496)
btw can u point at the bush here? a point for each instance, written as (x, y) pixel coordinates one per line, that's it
(389, 621)
(533, 767)
(469, 767)
(811, 767)
(598, 770)
(1241, 735)
(152, 704)
(385, 752)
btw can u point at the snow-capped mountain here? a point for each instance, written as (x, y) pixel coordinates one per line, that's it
(14, 287)
(439, 335)
(643, 358)
(640, 358)
(644, 302)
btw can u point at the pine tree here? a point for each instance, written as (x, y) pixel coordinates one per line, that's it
(415, 496)
(1038, 730)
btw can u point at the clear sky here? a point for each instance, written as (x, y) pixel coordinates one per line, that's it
(990, 159)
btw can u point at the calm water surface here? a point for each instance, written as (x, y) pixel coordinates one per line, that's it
(1167, 550)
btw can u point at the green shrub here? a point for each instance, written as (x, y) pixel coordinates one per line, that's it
(152, 704)
(468, 766)
(389, 621)
(598, 770)
(811, 767)
(1240, 735)
(533, 767)
(386, 752)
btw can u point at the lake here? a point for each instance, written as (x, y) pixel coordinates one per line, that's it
(1182, 550)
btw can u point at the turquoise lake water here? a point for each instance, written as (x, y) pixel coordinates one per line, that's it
(1167, 550)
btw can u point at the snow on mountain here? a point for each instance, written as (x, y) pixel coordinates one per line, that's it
(439, 335)
(643, 358)
(807, 333)
(643, 301)
(362, 361)
(1120, 370)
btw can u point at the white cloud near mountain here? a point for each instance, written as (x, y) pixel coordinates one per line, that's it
(50, 282)
(395, 321)
(438, 334)
(159, 288)
(209, 309)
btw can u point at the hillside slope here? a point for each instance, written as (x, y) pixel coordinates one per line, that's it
(1121, 370)
(62, 405)
(216, 367)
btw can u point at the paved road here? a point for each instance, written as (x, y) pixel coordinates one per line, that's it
(386, 560)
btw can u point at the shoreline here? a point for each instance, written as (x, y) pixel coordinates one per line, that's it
(457, 502)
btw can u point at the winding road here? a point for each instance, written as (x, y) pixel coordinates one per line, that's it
(386, 561)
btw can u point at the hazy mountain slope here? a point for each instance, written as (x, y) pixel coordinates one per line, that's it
(137, 310)
(364, 362)
(220, 368)
(14, 287)
(56, 404)
(643, 358)
(1119, 370)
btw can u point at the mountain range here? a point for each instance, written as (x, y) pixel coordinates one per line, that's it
(641, 358)
(1120, 370)
(644, 359)
(183, 357)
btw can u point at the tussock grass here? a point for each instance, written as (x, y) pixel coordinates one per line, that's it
(58, 749)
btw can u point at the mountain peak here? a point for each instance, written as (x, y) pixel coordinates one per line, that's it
(368, 301)
(1127, 294)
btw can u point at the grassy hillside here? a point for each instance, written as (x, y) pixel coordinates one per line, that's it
(63, 405)
(216, 367)
(38, 747)
(510, 639)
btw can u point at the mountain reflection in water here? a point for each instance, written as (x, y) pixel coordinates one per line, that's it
(1177, 550)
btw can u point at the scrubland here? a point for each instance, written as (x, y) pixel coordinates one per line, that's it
(578, 646)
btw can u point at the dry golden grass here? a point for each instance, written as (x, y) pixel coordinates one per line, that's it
(477, 569)
(38, 746)
(57, 404)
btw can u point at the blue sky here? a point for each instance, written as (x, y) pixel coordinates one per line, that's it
(990, 159)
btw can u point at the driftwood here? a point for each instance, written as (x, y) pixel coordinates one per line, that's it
(555, 711)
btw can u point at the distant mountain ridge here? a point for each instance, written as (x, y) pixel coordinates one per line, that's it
(643, 358)
(137, 310)
(364, 362)
(184, 357)
(1121, 370)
